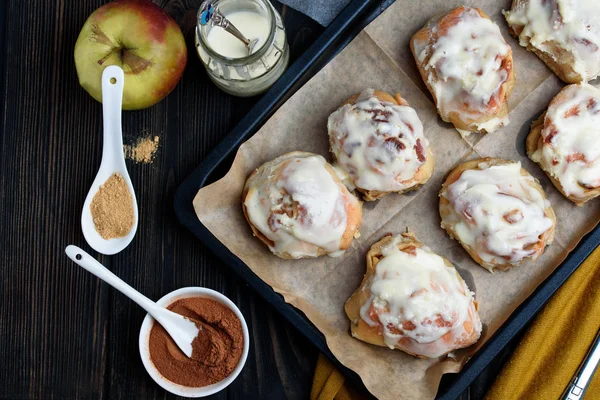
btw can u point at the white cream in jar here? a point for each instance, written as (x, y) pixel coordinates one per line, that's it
(226, 58)
(251, 24)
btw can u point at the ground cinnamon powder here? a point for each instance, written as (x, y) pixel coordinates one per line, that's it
(112, 208)
(216, 351)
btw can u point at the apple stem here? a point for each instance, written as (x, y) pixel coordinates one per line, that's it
(101, 61)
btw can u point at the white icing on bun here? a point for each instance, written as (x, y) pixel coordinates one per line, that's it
(380, 143)
(497, 211)
(566, 142)
(467, 66)
(413, 300)
(297, 205)
(564, 33)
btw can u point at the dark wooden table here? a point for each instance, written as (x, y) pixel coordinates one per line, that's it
(63, 333)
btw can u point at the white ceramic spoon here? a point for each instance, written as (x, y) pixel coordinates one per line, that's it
(182, 330)
(113, 160)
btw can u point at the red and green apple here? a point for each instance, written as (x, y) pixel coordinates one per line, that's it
(141, 38)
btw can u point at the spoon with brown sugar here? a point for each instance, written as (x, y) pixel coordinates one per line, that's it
(183, 330)
(109, 217)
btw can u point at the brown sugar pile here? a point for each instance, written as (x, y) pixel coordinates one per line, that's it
(112, 208)
(143, 150)
(216, 351)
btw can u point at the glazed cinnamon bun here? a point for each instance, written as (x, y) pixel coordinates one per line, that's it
(497, 211)
(413, 300)
(378, 141)
(467, 66)
(298, 207)
(565, 142)
(563, 34)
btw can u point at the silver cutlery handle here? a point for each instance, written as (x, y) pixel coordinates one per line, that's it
(218, 19)
(583, 376)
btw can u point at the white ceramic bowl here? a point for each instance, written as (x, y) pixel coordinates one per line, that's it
(145, 351)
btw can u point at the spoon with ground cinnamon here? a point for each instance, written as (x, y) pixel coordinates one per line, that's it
(191, 336)
(110, 215)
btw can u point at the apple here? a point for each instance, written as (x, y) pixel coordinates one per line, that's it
(141, 38)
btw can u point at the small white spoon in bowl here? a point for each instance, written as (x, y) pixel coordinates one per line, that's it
(182, 330)
(113, 160)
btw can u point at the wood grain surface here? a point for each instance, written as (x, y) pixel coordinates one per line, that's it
(63, 333)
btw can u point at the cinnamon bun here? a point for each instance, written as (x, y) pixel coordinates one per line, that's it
(563, 34)
(378, 141)
(565, 142)
(468, 68)
(497, 211)
(413, 300)
(298, 207)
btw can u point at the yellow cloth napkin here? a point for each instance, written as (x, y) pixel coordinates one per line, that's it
(328, 383)
(547, 357)
(556, 342)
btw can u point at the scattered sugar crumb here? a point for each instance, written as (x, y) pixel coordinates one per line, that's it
(144, 149)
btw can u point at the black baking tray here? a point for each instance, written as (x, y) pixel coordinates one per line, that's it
(341, 31)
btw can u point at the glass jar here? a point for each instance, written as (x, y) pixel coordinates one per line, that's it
(252, 74)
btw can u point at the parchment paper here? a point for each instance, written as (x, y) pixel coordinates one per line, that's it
(379, 58)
